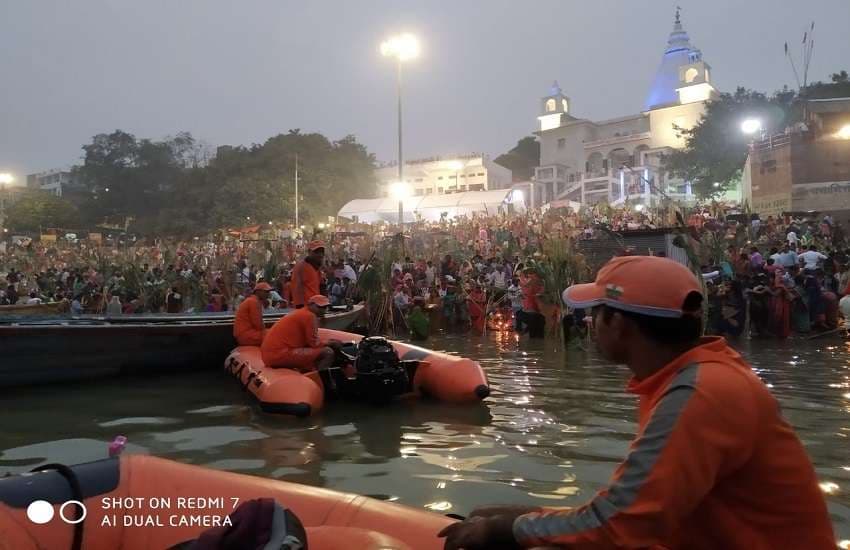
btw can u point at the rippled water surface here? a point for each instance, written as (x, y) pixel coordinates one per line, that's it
(551, 433)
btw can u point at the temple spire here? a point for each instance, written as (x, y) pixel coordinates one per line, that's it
(679, 39)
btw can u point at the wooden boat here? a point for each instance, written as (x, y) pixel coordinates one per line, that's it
(133, 502)
(29, 310)
(58, 350)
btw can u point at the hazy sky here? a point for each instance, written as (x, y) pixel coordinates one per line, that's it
(238, 72)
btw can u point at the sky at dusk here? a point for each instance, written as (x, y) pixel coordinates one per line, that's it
(239, 72)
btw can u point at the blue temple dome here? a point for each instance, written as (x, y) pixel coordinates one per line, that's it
(679, 52)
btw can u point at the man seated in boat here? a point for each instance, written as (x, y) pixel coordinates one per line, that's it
(293, 341)
(714, 464)
(248, 326)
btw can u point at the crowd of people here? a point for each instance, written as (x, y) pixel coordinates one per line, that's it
(773, 276)
(787, 279)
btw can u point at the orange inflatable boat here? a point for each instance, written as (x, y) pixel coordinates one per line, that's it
(287, 391)
(138, 502)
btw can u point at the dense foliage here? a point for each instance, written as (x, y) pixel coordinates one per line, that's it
(36, 211)
(178, 187)
(522, 159)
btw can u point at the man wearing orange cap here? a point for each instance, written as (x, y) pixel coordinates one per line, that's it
(714, 464)
(293, 341)
(248, 326)
(306, 275)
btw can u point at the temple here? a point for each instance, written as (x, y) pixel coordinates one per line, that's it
(618, 160)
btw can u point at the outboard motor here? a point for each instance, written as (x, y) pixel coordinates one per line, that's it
(381, 375)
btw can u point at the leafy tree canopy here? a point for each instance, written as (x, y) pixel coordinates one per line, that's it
(39, 210)
(175, 186)
(522, 159)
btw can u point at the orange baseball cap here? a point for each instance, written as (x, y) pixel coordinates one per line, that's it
(315, 245)
(647, 285)
(319, 300)
(263, 286)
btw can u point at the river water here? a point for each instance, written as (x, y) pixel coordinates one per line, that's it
(552, 432)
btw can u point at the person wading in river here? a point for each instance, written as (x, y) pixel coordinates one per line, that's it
(713, 465)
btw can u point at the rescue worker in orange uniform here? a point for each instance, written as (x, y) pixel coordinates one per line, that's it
(248, 326)
(293, 341)
(306, 275)
(714, 464)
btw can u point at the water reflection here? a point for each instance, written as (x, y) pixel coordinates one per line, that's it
(551, 432)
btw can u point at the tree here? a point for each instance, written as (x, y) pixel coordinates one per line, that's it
(522, 159)
(174, 187)
(37, 210)
(839, 86)
(716, 149)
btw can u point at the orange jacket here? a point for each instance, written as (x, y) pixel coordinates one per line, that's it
(299, 329)
(305, 282)
(248, 324)
(714, 465)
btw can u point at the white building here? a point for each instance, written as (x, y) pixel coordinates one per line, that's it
(443, 175)
(52, 181)
(434, 207)
(620, 159)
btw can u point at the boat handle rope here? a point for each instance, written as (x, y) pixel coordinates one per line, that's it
(76, 494)
(237, 373)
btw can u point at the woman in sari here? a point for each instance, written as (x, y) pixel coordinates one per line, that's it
(477, 302)
(800, 319)
(780, 308)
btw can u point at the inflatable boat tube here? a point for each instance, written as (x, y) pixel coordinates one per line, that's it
(439, 375)
(139, 502)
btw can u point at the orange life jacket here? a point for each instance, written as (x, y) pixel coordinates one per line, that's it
(714, 465)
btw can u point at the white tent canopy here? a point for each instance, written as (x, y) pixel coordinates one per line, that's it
(432, 207)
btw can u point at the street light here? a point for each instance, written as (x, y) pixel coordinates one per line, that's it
(751, 126)
(6, 178)
(400, 190)
(402, 47)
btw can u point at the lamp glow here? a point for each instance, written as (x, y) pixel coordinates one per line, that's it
(844, 132)
(639, 207)
(403, 47)
(751, 126)
(400, 190)
(6, 178)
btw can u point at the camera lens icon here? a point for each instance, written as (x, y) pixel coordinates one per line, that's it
(41, 512)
